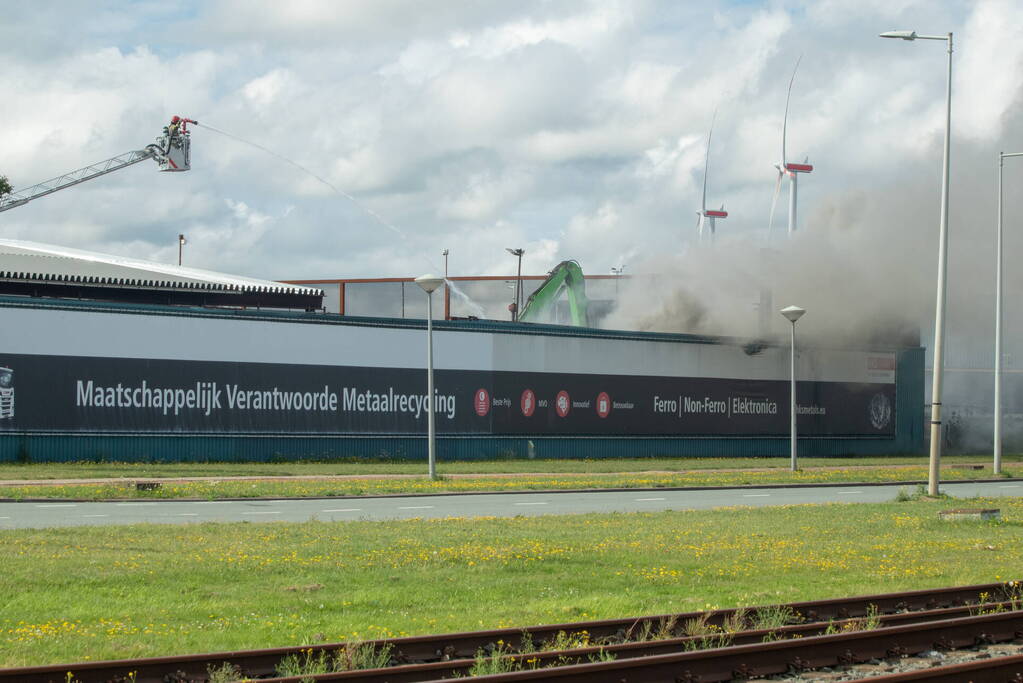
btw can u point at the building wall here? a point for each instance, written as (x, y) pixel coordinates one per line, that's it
(52, 347)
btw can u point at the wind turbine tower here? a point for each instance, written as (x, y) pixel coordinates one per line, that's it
(705, 222)
(785, 168)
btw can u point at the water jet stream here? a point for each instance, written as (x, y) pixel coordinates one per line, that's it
(475, 308)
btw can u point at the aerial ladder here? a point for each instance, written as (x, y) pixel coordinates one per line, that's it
(171, 152)
(566, 277)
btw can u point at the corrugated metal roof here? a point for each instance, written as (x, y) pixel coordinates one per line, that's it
(21, 260)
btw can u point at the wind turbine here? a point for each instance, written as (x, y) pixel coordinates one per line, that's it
(788, 169)
(705, 219)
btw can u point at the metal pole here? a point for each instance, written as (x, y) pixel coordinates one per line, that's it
(997, 467)
(998, 319)
(794, 177)
(794, 463)
(447, 289)
(934, 464)
(431, 428)
(518, 290)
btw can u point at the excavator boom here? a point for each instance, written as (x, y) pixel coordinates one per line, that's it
(566, 277)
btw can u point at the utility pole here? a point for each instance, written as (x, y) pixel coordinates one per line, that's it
(938, 363)
(518, 282)
(447, 288)
(617, 272)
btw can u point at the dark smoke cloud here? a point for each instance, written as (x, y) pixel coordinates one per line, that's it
(864, 265)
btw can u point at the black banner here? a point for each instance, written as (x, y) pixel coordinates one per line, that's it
(85, 394)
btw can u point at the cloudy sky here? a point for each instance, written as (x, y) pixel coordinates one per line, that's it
(571, 129)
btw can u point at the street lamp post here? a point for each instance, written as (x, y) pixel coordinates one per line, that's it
(447, 288)
(181, 243)
(518, 282)
(939, 308)
(429, 283)
(998, 320)
(617, 272)
(793, 313)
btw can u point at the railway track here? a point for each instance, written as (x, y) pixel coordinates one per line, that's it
(744, 662)
(628, 641)
(617, 652)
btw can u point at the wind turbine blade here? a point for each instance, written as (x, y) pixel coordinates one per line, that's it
(785, 120)
(706, 161)
(774, 204)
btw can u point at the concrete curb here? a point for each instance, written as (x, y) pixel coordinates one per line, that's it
(517, 492)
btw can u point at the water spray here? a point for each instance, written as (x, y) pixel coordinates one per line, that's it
(465, 298)
(302, 168)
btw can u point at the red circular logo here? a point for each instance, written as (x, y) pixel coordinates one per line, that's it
(481, 402)
(562, 404)
(528, 402)
(603, 404)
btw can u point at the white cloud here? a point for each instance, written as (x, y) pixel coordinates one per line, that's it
(576, 129)
(266, 89)
(990, 68)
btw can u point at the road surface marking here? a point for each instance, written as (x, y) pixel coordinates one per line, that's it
(4, 517)
(416, 507)
(1009, 486)
(755, 495)
(263, 512)
(639, 499)
(186, 514)
(343, 510)
(841, 492)
(95, 515)
(56, 505)
(124, 504)
(213, 502)
(530, 503)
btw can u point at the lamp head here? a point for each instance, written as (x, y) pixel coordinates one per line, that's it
(429, 282)
(904, 35)
(515, 252)
(793, 313)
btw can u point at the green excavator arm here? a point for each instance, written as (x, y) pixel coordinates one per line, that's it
(566, 277)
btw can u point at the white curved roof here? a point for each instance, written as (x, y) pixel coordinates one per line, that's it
(34, 261)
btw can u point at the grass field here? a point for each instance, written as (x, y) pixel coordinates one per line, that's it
(80, 470)
(306, 488)
(104, 592)
(322, 480)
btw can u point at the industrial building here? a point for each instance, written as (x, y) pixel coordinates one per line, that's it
(119, 359)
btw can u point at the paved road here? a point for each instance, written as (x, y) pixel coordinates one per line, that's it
(58, 514)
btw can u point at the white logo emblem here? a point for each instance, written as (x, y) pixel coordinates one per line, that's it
(6, 393)
(880, 411)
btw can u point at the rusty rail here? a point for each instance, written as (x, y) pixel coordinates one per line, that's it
(538, 660)
(437, 648)
(1008, 669)
(778, 657)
